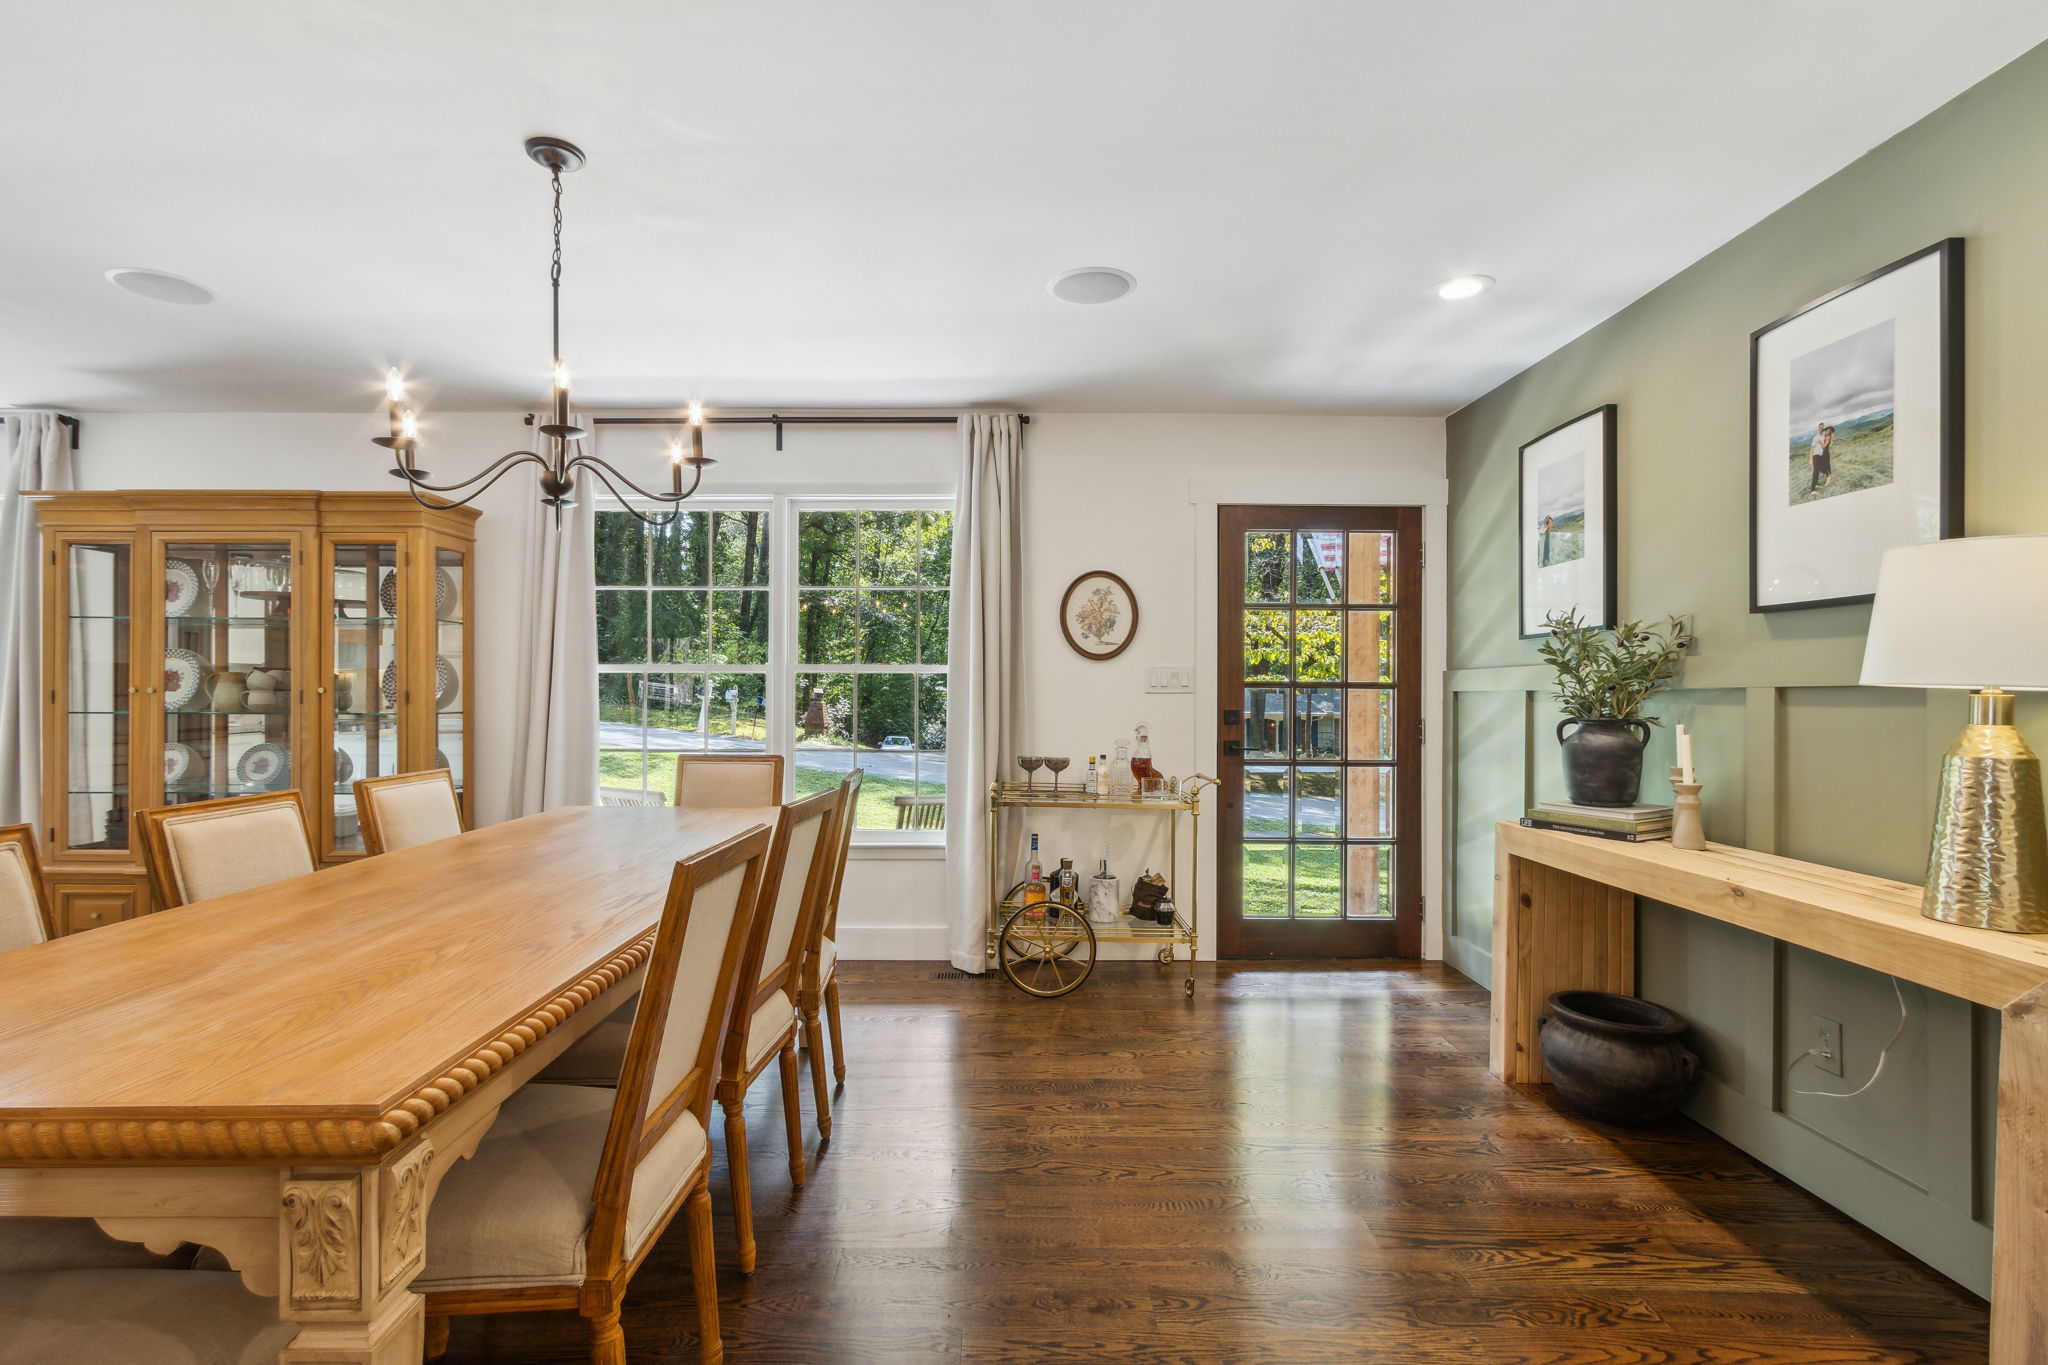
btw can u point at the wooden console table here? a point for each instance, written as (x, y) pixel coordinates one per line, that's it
(1564, 919)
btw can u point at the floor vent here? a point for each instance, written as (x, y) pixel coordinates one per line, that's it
(955, 974)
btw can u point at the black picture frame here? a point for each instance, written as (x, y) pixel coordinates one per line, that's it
(1947, 385)
(1601, 601)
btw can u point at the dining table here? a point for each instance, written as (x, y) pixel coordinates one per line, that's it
(285, 1074)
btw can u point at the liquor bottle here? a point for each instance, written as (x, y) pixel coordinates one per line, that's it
(1066, 882)
(1102, 779)
(1141, 758)
(1122, 782)
(1034, 877)
(1091, 772)
(1105, 896)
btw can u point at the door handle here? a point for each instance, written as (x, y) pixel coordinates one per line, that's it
(1232, 749)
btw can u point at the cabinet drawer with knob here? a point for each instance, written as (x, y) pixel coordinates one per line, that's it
(81, 906)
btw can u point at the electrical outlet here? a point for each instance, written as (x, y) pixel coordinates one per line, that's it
(1829, 1044)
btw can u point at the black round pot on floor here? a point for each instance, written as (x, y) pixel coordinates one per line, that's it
(1617, 1058)
(1603, 759)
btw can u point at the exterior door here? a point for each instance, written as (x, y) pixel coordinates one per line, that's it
(1320, 847)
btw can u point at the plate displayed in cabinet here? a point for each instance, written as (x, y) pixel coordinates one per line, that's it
(344, 768)
(181, 586)
(265, 767)
(387, 593)
(184, 673)
(181, 762)
(446, 594)
(447, 683)
(388, 687)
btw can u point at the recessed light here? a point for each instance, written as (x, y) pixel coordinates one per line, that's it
(155, 284)
(1464, 286)
(1093, 284)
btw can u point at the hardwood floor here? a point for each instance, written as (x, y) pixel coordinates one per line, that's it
(1298, 1165)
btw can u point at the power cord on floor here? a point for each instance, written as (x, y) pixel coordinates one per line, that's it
(1882, 1056)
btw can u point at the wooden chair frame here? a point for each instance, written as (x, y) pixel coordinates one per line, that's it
(366, 789)
(812, 989)
(640, 1119)
(734, 1077)
(156, 846)
(772, 761)
(25, 835)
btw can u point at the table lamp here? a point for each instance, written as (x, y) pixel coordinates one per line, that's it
(1973, 613)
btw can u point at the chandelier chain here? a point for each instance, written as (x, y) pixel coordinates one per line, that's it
(555, 264)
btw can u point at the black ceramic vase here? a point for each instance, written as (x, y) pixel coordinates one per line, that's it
(1617, 1058)
(1603, 760)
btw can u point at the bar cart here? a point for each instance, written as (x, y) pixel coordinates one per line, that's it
(1045, 948)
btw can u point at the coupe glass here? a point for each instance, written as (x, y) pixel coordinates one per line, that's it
(1056, 766)
(1030, 763)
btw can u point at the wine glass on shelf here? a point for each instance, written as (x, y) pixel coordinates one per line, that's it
(1056, 766)
(1030, 763)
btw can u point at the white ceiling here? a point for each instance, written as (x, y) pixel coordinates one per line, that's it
(822, 202)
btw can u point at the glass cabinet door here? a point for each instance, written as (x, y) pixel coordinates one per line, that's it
(367, 682)
(227, 682)
(451, 667)
(98, 689)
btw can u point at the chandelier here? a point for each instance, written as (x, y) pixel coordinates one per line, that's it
(565, 456)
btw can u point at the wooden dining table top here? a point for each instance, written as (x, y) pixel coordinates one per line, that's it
(328, 1017)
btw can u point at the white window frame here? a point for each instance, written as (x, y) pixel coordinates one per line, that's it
(783, 666)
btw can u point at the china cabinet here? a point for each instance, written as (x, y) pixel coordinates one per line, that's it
(200, 644)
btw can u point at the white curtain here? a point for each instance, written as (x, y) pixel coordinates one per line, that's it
(554, 702)
(984, 709)
(38, 456)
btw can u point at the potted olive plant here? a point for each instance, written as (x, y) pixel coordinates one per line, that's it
(1603, 679)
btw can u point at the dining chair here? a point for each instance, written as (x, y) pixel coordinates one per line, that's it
(24, 904)
(764, 1020)
(816, 982)
(212, 848)
(406, 809)
(162, 1317)
(630, 796)
(728, 779)
(573, 1185)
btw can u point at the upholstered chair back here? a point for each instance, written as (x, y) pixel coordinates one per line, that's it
(799, 880)
(24, 908)
(729, 780)
(849, 816)
(657, 1137)
(214, 848)
(411, 808)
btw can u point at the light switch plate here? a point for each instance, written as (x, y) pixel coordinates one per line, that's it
(1172, 678)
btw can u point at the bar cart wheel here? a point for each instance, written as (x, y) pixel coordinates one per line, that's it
(1046, 949)
(1166, 956)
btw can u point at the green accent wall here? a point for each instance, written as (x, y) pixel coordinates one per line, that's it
(1796, 757)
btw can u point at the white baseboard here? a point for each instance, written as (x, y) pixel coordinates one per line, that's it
(892, 942)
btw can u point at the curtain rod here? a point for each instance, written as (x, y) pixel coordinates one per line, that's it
(781, 420)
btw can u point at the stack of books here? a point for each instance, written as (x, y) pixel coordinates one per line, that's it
(1634, 824)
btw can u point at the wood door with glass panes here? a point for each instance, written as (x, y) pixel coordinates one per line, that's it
(1320, 735)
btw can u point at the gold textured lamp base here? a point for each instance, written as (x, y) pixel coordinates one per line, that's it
(1988, 868)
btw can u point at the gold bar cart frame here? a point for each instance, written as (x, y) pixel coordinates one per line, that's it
(1187, 800)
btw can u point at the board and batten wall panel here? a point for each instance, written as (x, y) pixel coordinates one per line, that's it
(1796, 757)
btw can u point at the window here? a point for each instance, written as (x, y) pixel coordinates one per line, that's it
(813, 628)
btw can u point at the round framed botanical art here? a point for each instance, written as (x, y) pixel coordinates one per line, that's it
(1099, 615)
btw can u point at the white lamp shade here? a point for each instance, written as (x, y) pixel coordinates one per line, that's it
(1966, 613)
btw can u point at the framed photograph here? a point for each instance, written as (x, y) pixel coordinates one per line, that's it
(1099, 615)
(1856, 431)
(1567, 522)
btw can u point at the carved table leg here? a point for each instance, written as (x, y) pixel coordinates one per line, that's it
(1552, 931)
(2019, 1247)
(352, 1241)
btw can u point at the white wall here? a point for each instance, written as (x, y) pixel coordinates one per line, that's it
(1134, 493)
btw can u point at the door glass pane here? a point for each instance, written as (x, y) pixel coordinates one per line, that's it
(1371, 882)
(364, 740)
(97, 697)
(1369, 724)
(1372, 647)
(1318, 646)
(1371, 813)
(1319, 566)
(1265, 881)
(1266, 810)
(1317, 803)
(1318, 723)
(1265, 722)
(450, 667)
(1318, 881)
(1371, 571)
(1265, 566)
(1265, 646)
(227, 686)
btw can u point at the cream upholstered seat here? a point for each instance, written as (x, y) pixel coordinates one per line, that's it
(729, 779)
(796, 879)
(214, 848)
(410, 808)
(573, 1185)
(816, 982)
(129, 1317)
(24, 905)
